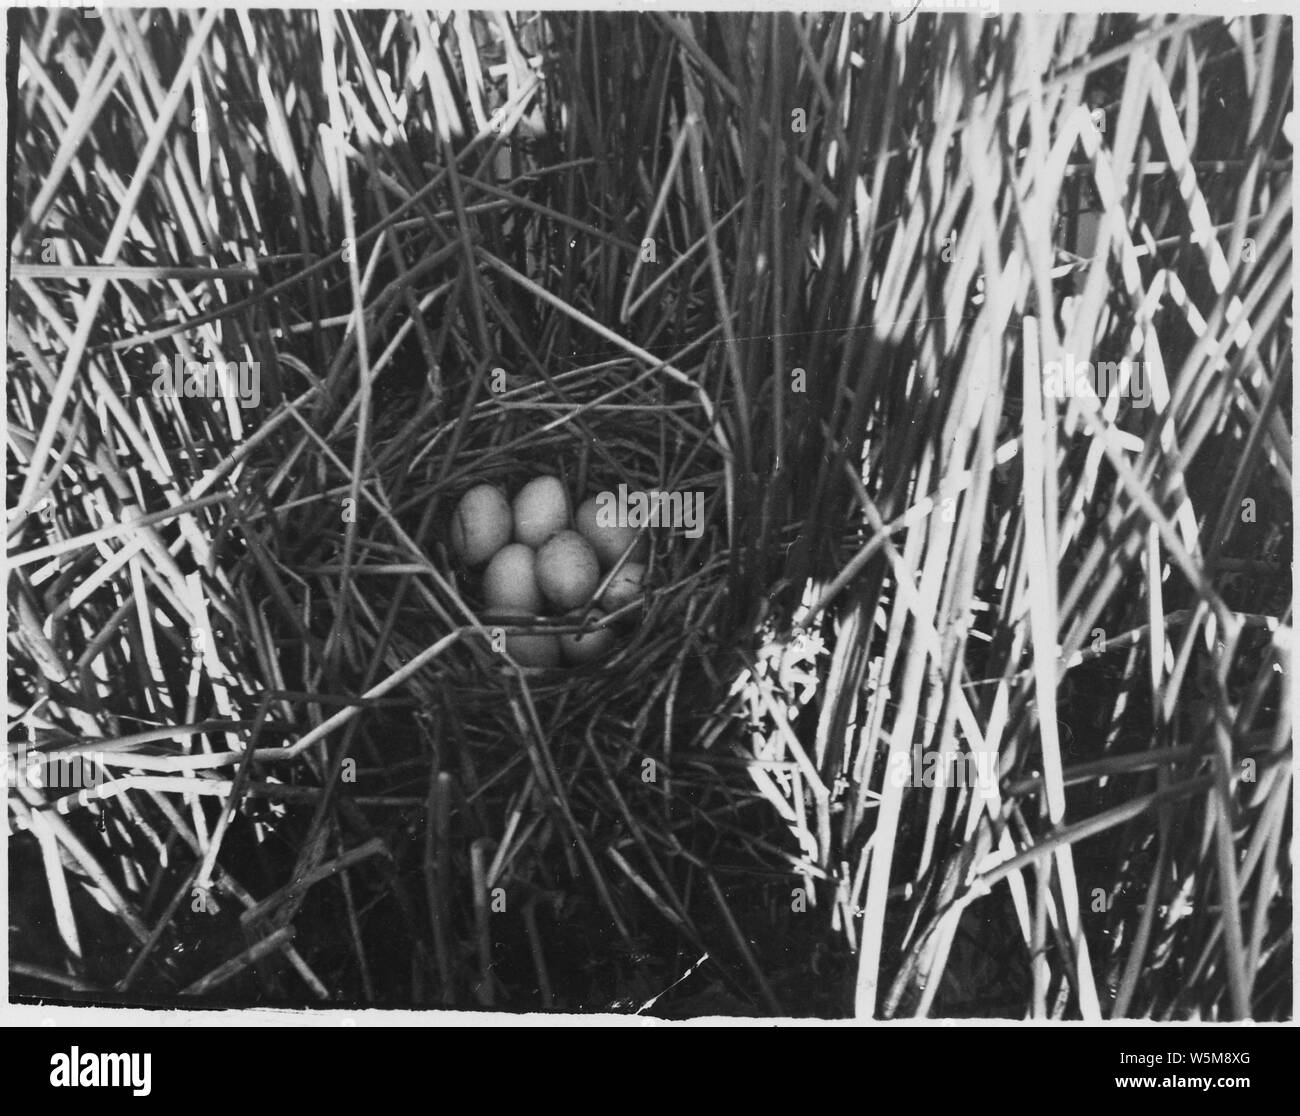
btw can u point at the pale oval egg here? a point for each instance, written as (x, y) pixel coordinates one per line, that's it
(540, 510)
(528, 649)
(609, 540)
(624, 587)
(567, 570)
(481, 524)
(534, 649)
(586, 647)
(510, 581)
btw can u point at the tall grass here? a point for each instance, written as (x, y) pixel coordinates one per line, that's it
(813, 266)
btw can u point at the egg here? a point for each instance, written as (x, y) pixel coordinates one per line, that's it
(510, 581)
(534, 649)
(541, 509)
(586, 647)
(529, 649)
(481, 525)
(567, 570)
(624, 587)
(608, 539)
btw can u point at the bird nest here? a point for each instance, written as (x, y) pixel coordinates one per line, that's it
(518, 767)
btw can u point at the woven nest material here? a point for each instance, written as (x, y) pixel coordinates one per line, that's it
(613, 430)
(545, 761)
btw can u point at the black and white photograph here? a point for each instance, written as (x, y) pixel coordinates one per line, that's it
(688, 513)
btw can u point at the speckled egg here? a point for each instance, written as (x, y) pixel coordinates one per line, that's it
(481, 524)
(540, 510)
(567, 570)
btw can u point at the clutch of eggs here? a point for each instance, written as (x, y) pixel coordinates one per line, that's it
(555, 563)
